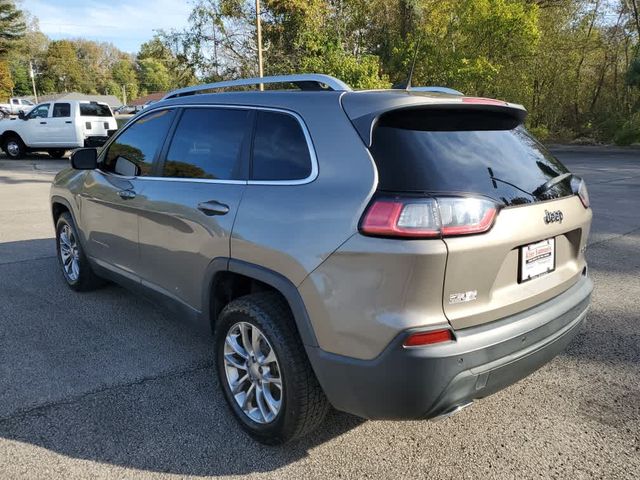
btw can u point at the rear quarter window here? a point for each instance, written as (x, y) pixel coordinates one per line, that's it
(94, 110)
(280, 149)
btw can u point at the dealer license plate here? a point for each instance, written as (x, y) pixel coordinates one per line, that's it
(537, 259)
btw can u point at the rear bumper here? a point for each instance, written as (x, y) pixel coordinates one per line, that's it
(425, 382)
(98, 140)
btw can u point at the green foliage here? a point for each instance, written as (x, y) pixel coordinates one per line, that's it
(12, 26)
(154, 75)
(629, 132)
(124, 79)
(6, 83)
(633, 74)
(64, 71)
(574, 64)
(361, 73)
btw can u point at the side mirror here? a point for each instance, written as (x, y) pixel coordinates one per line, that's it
(85, 159)
(21, 115)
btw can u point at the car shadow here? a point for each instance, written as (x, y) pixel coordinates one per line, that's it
(106, 376)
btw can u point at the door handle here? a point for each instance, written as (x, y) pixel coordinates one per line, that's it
(212, 208)
(43, 123)
(68, 121)
(127, 194)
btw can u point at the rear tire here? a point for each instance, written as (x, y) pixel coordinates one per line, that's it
(57, 153)
(75, 267)
(286, 413)
(14, 147)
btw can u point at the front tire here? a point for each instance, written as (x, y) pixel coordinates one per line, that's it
(14, 147)
(75, 267)
(264, 371)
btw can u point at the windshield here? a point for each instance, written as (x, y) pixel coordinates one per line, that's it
(508, 165)
(95, 110)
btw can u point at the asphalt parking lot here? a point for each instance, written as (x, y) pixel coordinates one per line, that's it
(104, 385)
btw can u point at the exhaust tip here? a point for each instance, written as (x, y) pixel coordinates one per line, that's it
(451, 412)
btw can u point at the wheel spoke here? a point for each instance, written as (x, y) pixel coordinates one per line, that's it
(75, 268)
(235, 346)
(264, 411)
(248, 394)
(255, 342)
(245, 335)
(235, 388)
(230, 359)
(272, 403)
(272, 380)
(270, 358)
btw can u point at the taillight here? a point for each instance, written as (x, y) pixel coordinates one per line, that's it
(87, 125)
(428, 338)
(428, 217)
(106, 125)
(583, 194)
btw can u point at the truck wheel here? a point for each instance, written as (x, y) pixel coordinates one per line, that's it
(57, 153)
(264, 371)
(13, 147)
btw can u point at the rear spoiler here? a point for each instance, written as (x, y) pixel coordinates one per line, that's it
(358, 108)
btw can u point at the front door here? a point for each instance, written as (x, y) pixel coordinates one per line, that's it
(35, 131)
(114, 194)
(190, 210)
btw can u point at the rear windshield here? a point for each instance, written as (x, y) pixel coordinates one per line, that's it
(450, 152)
(94, 110)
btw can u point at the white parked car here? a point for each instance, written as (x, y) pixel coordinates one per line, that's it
(56, 127)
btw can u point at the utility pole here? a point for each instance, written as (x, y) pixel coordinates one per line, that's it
(124, 94)
(33, 80)
(259, 31)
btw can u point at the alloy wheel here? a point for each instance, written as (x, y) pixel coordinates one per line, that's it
(69, 253)
(253, 373)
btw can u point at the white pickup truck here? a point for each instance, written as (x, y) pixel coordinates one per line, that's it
(15, 106)
(56, 127)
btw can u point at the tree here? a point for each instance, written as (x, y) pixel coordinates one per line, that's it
(6, 83)
(154, 76)
(167, 49)
(12, 25)
(63, 70)
(125, 79)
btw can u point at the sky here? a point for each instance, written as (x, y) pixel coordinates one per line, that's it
(125, 23)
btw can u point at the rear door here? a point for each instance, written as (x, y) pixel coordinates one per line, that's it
(533, 252)
(191, 205)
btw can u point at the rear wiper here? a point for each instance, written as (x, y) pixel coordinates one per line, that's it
(551, 183)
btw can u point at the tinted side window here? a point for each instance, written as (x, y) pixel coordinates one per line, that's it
(133, 151)
(61, 110)
(95, 110)
(280, 150)
(207, 144)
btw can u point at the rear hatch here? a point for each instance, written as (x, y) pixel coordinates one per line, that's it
(96, 119)
(533, 250)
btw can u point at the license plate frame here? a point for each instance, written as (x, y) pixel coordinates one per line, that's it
(536, 259)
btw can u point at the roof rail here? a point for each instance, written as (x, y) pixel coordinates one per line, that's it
(306, 81)
(434, 89)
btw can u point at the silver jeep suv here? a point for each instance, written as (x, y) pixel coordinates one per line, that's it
(395, 254)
